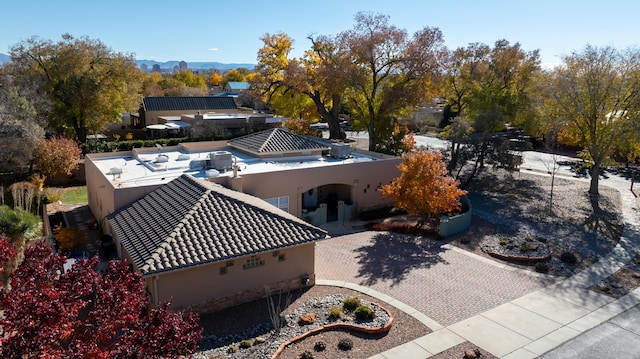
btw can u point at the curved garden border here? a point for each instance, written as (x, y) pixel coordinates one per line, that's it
(526, 259)
(352, 327)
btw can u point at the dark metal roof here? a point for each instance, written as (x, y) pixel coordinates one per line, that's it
(188, 103)
(276, 140)
(189, 222)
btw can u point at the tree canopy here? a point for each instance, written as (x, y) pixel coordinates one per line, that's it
(57, 155)
(88, 85)
(85, 313)
(389, 73)
(597, 96)
(424, 186)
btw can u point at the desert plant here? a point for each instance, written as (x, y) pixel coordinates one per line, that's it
(275, 310)
(320, 346)
(350, 304)
(503, 241)
(524, 247)
(232, 349)
(364, 312)
(245, 344)
(542, 267)
(306, 355)
(335, 312)
(54, 194)
(568, 257)
(345, 344)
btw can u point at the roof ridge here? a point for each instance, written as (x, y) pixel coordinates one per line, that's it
(269, 138)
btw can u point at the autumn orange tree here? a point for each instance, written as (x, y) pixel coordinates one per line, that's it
(424, 186)
(57, 155)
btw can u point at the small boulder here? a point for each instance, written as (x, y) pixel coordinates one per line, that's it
(306, 319)
(472, 353)
(259, 340)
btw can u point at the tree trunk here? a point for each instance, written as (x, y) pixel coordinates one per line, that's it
(595, 178)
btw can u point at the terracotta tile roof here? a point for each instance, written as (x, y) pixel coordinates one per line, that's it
(189, 222)
(188, 103)
(276, 140)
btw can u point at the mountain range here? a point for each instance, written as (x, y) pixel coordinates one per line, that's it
(170, 64)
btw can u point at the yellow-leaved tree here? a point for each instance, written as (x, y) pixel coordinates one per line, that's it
(57, 155)
(424, 186)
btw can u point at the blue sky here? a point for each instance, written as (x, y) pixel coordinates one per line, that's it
(229, 31)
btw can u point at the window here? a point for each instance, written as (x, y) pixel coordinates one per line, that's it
(223, 270)
(280, 202)
(282, 257)
(276, 253)
(252, 262)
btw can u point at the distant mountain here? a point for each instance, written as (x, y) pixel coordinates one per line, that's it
(195, 65)
(170, 64)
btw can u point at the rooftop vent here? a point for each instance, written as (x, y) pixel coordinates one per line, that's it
(340, 150)
(115, 170)
(198, 164)
(183, 157)
(162, 158)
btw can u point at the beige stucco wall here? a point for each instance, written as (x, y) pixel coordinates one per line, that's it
(363, 177)
(194, 286)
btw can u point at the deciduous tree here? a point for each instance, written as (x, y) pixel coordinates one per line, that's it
(424, 186)
(487, 87)
(20, 125)
(88, 85)
(390, 72)
(597, 92)
(300, 127)
(57, 155)
(83, 313)
(289, 83)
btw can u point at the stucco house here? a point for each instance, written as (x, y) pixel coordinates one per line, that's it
(315, 180)
(205, 247)
(154, 109)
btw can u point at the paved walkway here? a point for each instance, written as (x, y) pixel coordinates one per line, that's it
(524, 317)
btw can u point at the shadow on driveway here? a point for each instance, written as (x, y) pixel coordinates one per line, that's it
(391, 256)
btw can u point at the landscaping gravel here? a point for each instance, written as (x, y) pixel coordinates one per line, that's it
(272, 340)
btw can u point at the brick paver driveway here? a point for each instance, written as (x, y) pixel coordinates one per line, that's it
(446, 285)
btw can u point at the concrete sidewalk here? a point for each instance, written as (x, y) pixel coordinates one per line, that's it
(536, 323)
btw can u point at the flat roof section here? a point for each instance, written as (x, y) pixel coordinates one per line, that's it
(153, 168)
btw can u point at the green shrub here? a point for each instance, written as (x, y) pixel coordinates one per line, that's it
(364, 312)
(335, 312)
(350, 304)
(246, 344)
(542, 267)
(232, 349)
(503, 241)
(524, 247)
(320, 346)
(345, 344)
(568, 257)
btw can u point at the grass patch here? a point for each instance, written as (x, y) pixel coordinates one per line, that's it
(75, 195)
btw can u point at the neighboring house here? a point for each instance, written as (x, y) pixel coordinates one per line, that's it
(153, 109)
(236, 87)
(205, 247)
(313, 179)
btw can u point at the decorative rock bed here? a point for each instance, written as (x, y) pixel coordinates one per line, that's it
(520, 249)
(274, 343)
